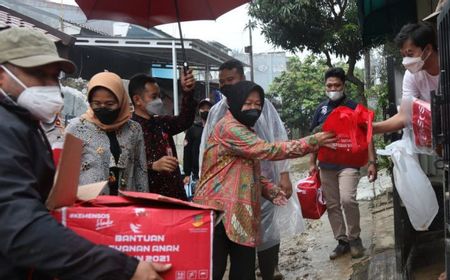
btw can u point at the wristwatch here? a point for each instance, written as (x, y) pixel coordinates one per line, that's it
(374, 162)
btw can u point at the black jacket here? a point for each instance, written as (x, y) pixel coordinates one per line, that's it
(191, 150)
(31, 240)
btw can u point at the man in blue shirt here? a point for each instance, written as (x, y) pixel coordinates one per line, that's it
(339, 182)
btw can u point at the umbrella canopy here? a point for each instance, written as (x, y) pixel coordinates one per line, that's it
(149, 13)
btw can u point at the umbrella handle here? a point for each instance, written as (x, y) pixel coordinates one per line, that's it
(185, 63)
(185, 67)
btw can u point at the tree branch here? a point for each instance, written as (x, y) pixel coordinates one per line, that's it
(327, 54)
(343, 7)
(331, 5)
(354, 80)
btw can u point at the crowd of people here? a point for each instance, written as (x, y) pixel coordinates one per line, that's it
(235, 158)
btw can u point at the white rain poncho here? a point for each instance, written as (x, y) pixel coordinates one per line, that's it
(270, 128)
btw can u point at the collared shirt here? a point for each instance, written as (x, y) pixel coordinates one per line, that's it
(231, 176)
(158, 131)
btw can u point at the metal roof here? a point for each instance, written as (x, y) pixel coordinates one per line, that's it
(10, 18)
(159, 51)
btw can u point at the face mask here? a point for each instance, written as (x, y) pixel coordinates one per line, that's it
(49, 126)
(43, 102)
(155, 107)
(414, 64)
(204, 115)
(335, 95)
(107, 116)
(249, 117)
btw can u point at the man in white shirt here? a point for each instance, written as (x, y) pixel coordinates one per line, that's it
(417, 43)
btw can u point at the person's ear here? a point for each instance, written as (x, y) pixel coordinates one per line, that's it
(137, 100)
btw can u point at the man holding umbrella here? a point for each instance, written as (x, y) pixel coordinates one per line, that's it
(34, 245)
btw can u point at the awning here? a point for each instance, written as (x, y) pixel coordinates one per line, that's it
(159, 51)
(383, 19)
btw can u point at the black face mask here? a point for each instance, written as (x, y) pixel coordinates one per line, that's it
(204, 115)
(249, 117)
(106, 116)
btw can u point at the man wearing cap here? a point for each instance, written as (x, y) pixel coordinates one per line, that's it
(34, 245)
(192, 145)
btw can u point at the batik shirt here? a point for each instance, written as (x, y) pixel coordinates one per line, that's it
(97, 159)
(270, 128)
(231, 176)
(158, 132)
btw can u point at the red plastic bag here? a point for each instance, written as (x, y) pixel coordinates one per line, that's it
(353, 130)
(421, 123)
(310, 196)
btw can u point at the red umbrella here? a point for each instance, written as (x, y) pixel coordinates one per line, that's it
(149, 13)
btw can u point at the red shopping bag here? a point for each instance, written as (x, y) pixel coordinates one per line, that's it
(353, 130)
(310, 196)
(421, 123)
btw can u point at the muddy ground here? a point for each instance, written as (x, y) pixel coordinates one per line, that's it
(305, 256)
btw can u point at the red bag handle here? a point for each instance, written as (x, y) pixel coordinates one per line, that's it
(366, 115)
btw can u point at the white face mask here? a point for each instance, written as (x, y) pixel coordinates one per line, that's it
(155, 107)
(43, 102)
(414, 64)
(335, 95)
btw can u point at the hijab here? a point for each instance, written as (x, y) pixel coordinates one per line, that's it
(237, 94)
(113, 83)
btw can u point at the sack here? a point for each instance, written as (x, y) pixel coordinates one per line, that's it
(310, 196)
(421, 123)
(353, 130)
(418, 120)
(413, 186)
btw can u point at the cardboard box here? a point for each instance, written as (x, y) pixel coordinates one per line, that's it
(148, 226)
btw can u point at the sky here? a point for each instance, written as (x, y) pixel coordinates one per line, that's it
(227, 30)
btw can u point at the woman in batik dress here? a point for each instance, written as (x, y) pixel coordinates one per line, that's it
(231, 178)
